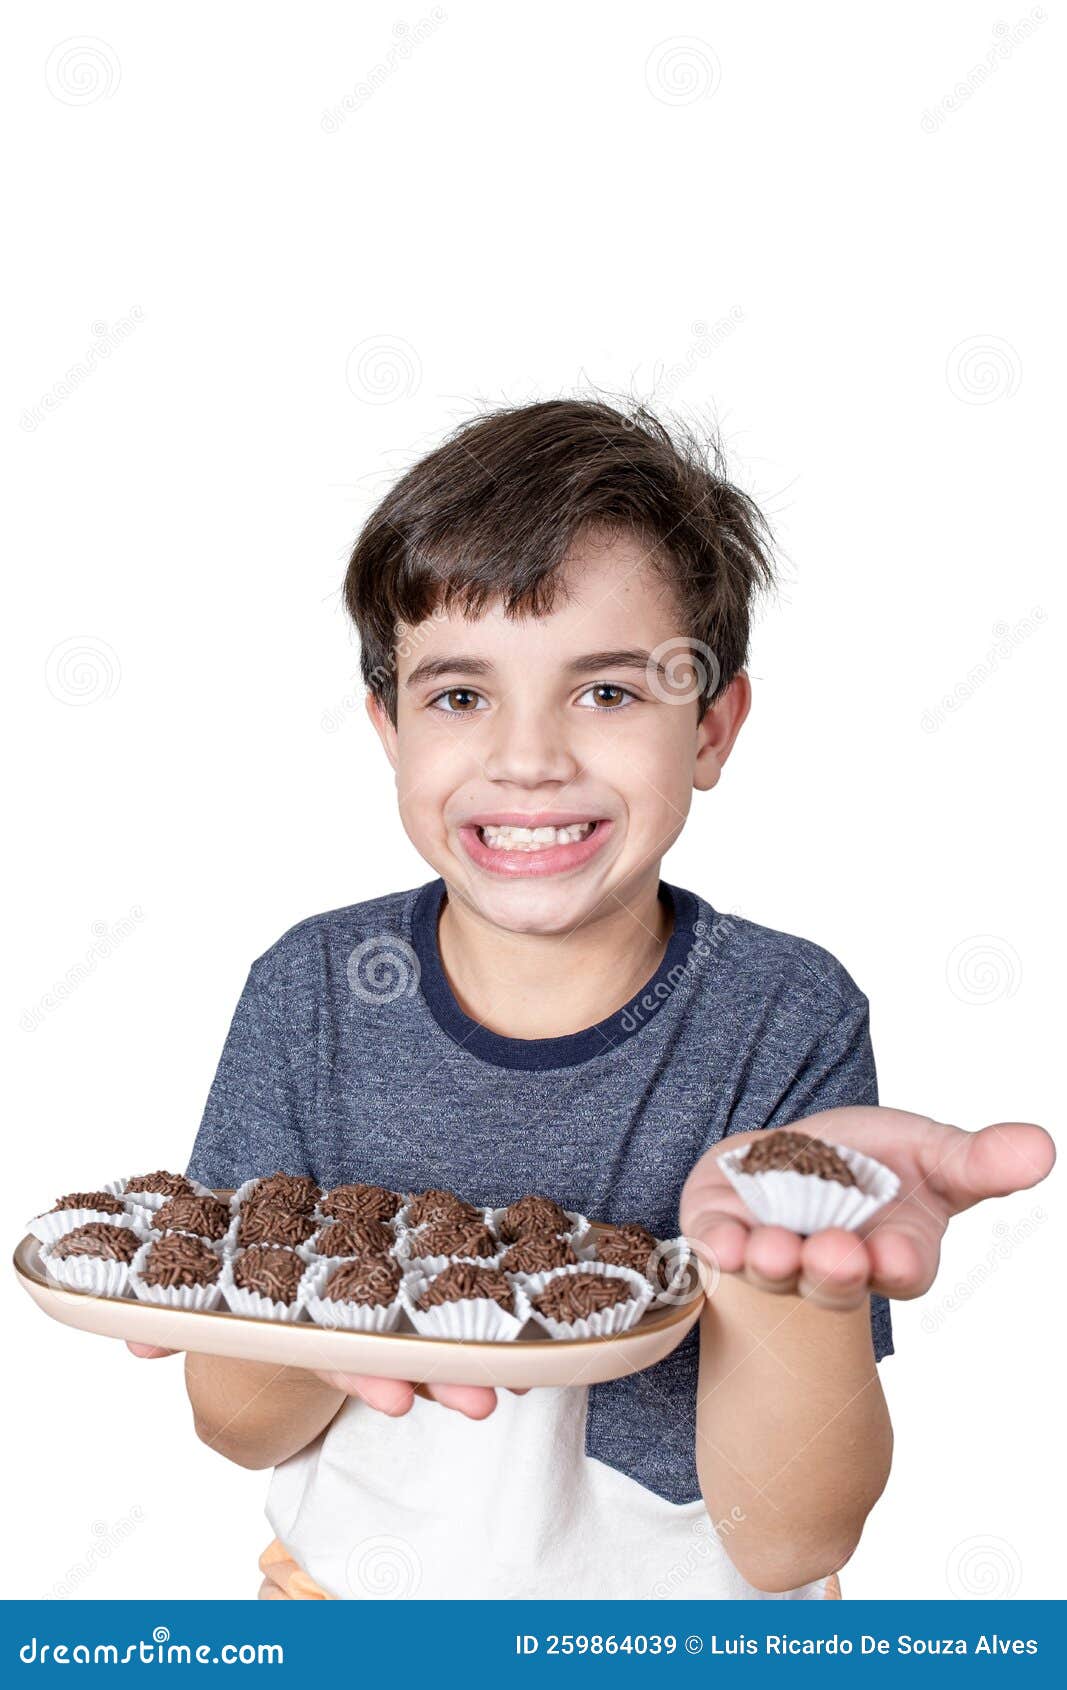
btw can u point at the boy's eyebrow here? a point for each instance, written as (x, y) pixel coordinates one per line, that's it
(431, 668)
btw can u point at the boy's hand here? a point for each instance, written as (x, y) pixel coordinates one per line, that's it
(389, 1396)
(942, 1171)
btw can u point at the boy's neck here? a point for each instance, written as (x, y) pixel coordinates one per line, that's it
(544, 986)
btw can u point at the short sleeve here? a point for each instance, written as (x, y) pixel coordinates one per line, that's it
(262, 1095)
(839, 1072)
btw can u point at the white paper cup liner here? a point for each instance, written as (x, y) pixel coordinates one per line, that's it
(254, 1303)
(806, 1203)
(476, 1319)
(605, 1323)
(576, 1231)
(196, 1297)
(341, 1316)
(153, 1200)
(48, 1227)
(92, 1273)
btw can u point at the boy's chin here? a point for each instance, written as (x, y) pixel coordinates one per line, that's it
(532, 906)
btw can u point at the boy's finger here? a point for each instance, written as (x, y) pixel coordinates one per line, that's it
(148, 1352)
(721, 1237)
(835, 1269)
(388, 1396)
(477, 1402)
(772, 1259)
(901, 1265)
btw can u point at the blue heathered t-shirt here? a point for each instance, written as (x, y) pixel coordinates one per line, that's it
(349, 1059)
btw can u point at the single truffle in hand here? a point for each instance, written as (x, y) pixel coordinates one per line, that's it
(102, 1201)
(287, 1191)
(178, 1261)
(632, 1246)
(161, 1184)
(354, 1238)
(370, 1280)
(436, 1205)
(361, 1202)
(529, 1216)
(465, 1279)
(454, 1238)
(574, 1296)
(538, 1253)
(264, 1223)
(273, 1272)
(100, 1239)
(207, 1216)
(797, 1152)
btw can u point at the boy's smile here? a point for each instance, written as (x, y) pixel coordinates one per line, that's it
(545, 764)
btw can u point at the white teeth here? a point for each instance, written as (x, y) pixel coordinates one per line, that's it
(534, 838)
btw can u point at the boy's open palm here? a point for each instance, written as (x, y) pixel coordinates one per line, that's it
(942, 1169)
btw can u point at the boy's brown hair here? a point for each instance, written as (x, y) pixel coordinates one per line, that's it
(492, 513)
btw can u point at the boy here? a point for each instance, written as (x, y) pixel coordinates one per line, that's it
(554, 615)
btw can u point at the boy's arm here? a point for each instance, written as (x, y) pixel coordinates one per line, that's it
(255, 1413)
(793, 1433)
(791, 1425)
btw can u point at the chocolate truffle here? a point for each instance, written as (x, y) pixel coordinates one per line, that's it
(361, 1203)
(161, 1184)
(797, 1152)
(287, 1191)
(354, 1238)
(528, 1216)
(102, 1201)
(436, 1205)
(631, 1246)
(454, 1238)
(466, 1279)
(272, 1272)
(180, 1260)
(538, 1253)
(371, 1280)
(265, 1223)
(573, 1296)
(207, 1216)
(101, 1239)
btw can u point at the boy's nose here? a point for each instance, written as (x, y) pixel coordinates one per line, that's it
(529, 752)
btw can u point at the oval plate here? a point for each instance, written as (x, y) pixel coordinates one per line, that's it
(523, 1362)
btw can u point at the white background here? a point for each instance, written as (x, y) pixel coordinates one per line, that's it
(759, 211)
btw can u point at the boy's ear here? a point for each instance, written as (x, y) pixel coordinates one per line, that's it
(717, 730)
(383, 726)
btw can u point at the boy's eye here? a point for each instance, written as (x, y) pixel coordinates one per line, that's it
(605, 695)
(458, 701)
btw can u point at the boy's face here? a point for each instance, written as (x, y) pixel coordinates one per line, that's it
(559, 724)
